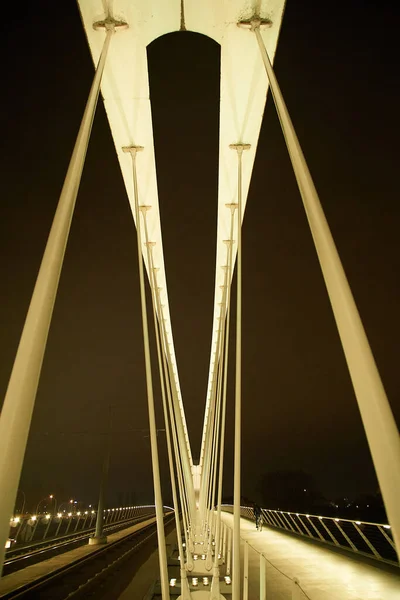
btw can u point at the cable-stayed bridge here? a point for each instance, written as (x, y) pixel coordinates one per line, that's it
(248, 35)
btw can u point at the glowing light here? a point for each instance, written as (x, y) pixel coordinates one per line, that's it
(228, 580)
(70, 514)
(16, 520)
(34, 518)
(59, 515)
(387, 527)
(79, 514)
(172, 582)
(337, 520)
(206, 581)
(195, 581)
(358, 522)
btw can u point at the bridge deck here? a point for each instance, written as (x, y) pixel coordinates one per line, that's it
(323, 574)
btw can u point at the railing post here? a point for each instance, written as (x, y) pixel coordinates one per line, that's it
(224, 544)
(228, 557)
(47, 528)
(263, 577)
(59, 526)
(77, 523)
(246, 572)
(69, 524)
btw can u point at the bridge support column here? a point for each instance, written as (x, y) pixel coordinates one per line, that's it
(376, 414)
(21, 393)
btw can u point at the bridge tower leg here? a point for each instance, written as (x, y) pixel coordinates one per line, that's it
(20, 398)
(376, 414)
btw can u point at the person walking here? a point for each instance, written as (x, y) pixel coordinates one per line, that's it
(257, 516)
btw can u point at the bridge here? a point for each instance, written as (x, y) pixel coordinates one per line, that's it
(248, 37)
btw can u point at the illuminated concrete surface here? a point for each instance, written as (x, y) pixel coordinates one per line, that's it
(323, 574)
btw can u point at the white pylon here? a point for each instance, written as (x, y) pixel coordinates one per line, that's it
(377, 417)
(20, 398)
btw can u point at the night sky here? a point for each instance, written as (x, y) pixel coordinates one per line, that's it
(339, 74)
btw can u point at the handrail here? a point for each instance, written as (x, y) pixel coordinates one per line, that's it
(373, 540)
(37, 528)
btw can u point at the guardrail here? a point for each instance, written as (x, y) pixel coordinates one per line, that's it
(373, 540)
(28, 529)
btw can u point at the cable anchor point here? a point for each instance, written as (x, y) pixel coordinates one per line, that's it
(110, 23)
(255, 22)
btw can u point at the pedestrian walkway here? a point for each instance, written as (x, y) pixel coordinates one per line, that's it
(323, 574)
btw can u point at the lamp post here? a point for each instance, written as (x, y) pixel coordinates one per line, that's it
(69, 503)
(38, 504)
(52, 497)
(23, 504)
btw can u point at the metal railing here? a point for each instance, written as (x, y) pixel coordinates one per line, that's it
(373, 540)
(28, 529)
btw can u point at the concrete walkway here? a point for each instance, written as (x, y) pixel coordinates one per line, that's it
(323, 574)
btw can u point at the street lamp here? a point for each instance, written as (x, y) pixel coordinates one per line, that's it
(52, 497)
(69, 502)
(23, 504)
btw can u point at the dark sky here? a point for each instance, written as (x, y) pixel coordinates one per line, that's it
(340, 77)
